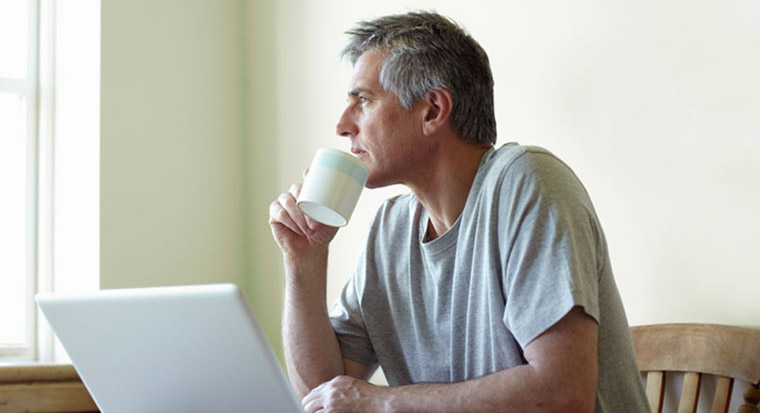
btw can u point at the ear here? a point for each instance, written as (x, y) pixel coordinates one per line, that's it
(437, 110)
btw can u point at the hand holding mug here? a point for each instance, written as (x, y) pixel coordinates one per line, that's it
(332, 187)
(308, 217)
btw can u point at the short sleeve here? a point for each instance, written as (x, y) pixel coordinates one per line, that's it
(553, 259)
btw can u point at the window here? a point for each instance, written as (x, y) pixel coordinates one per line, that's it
(49, 164)
(18, 177)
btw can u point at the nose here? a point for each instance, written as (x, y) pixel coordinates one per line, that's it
(346, 126)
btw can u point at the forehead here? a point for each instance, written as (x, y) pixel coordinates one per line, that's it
(366, 73)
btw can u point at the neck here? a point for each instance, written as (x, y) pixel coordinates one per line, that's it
(444, 185)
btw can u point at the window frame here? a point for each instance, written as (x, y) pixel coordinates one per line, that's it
(28, 90)
(37, 89)
(62, 162)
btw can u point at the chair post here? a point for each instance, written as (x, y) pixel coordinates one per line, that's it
(751, 399)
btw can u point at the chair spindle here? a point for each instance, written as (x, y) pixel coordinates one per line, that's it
(689, 393)
(655, 390)
(722, 398)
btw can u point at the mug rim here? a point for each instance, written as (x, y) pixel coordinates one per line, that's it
(347, 156)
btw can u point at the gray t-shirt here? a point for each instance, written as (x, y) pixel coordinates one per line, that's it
(526, 249)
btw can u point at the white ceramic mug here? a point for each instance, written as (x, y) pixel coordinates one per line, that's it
(332, 187)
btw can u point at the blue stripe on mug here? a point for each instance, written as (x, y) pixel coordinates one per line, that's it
(339, 163)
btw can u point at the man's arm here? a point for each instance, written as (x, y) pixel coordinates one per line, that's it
(561, 375)
(312, 353)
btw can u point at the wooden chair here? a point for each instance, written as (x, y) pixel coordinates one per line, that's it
(697, 349)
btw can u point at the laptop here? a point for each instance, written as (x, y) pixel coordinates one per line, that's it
(170, 349)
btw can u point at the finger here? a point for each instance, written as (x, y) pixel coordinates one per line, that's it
(312, 406)
(278, 214)
(308, 221)
(311, 402)
(313, 225)
(288, 201)
(295, 189)
(313, 393)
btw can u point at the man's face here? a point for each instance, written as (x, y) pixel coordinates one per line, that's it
(387, 137)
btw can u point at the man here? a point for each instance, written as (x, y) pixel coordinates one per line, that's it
(487, 288)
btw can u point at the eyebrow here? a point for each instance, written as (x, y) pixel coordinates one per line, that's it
(360, 90)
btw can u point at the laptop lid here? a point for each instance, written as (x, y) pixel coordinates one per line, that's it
(170, 349)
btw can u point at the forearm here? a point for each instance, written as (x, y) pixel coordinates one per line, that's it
(511, 390)
(560, 376)
(312, 353)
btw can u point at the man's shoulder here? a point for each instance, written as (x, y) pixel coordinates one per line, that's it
(515, 160)
(525, 173)
(510, 153)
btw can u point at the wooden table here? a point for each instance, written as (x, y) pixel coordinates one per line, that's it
(43, 388)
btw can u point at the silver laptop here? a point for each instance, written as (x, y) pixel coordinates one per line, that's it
(170, 349)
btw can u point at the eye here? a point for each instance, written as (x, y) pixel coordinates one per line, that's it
(359, 99)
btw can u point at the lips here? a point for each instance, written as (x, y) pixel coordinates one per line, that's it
(357, 151)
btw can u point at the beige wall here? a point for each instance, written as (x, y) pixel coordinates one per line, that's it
(261, 149)
(211, 108)
(171, 130)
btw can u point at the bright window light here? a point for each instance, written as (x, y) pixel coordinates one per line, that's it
(49, 165)
(13, 38)
(13, 220)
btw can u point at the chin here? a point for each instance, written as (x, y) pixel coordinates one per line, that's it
(379, 182)
(374, 182)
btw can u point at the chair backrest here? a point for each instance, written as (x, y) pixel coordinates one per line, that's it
(695, 349)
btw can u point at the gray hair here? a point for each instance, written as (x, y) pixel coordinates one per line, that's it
(429, 51)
